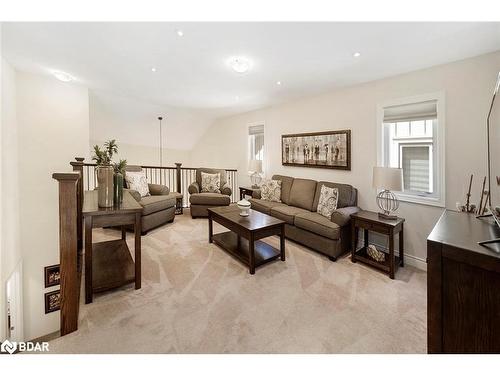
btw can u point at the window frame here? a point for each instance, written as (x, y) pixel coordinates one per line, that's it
(249, 146)
(438, 198)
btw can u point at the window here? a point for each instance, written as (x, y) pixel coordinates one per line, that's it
(412, 138)
(256, 142)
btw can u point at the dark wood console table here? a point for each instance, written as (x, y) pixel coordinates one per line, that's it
(463, 285)
(109, 264)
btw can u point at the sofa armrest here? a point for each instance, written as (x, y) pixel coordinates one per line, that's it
(155, 189)
(226, 190)
(342, 216)
(135, 194)
(256, 194)
(194, 188)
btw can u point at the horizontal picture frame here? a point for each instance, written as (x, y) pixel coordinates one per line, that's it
(328, 149)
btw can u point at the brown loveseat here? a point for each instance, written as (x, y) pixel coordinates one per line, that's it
(157, 208)
(199, 202)
(299, 202)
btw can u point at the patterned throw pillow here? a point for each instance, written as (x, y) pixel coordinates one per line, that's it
(137, 181)
(270, 190)
(210, 183)
(328, 199)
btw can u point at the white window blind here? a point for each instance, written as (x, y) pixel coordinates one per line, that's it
(411, 112)
(415, 161)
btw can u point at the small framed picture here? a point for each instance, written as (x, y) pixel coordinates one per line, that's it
(52, 275)
(52, 301)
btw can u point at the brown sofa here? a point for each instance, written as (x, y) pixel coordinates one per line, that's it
(157, 208)
(299, 202)
(199, 202)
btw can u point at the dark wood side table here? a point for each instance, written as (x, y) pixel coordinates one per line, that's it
(370, 221)
(109, 264)
(246, 191)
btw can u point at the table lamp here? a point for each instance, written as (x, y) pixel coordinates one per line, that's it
(255, 166)
(388, 180)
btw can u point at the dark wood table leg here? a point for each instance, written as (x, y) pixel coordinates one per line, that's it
(124, 233)
(88, 260)
(282, 242)
(210, 227)
(137, 248)
(353, 244)
(251, 252)
(365, 237)
(401, 248)
(391, 255)
(242, 194)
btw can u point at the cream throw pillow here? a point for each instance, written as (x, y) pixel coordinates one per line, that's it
(210, 183)
(328, 199)
(270, 190)
(137, 181)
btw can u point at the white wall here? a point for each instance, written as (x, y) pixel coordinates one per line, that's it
(467, 86)
(53, 128)
(133, 123)
(10, 236)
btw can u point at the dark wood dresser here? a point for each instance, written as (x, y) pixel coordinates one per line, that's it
(463, 286)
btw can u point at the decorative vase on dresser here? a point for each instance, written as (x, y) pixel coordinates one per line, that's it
(118, 188)
(105, 184)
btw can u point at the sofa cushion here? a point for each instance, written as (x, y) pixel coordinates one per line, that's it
(210, 182)
(347, 194)
(286, 213)
(302, 193)
(316, 223)
(155, 203)
(211, 199)
(270, 190)
(328, 201)
(286, 186)
(263, 206)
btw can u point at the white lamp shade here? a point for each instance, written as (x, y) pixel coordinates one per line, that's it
(255, 166)
(388, 178)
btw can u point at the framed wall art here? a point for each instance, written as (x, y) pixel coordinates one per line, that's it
(52, 275)
(330, 149)
(52, 301)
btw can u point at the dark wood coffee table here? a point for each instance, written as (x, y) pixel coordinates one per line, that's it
(242, 239)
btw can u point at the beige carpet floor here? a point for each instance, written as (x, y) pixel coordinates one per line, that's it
(195, 298)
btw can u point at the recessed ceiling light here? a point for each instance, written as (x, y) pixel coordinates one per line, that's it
(61, 76)
(153, 70)
(356, 54)
(180, 32)
(278, 83)
(240, 64)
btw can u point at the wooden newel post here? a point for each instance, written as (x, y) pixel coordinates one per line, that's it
(78, 167)
(178, 176)
(68, 253)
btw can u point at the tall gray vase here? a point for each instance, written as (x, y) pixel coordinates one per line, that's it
(105, 185)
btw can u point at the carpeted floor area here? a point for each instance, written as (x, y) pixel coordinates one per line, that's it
(195, 298)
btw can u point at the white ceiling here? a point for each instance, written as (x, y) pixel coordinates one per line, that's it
(307, 58)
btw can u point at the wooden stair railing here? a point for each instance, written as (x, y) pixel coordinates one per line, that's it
(69, 253)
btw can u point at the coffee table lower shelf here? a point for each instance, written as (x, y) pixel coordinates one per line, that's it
(112, 265)
(362, 256)
(238, 247)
